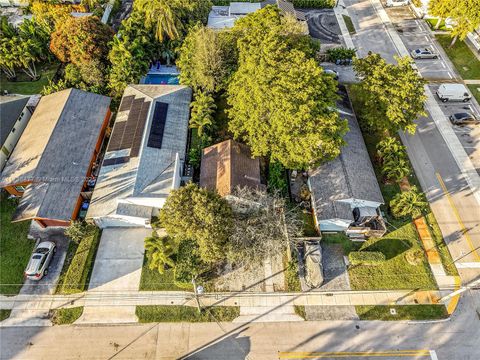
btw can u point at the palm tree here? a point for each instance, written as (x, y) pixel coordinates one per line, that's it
(390, 149)
(159, 252)
(203, 109)
(408, 203)
(160, 15)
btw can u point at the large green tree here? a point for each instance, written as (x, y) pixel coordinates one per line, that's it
(204, 60)
(81, 40)
(198, 214)
(393, 96)
(467, 16)
(282, 103)
(440, 8)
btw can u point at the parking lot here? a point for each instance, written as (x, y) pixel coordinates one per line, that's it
(469, 135)
(415, 34)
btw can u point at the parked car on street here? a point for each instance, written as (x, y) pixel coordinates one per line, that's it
(453, 92)
(393, 3)
(424, 53)
(464, 118)
(41, 257)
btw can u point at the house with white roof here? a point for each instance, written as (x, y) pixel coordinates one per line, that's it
(145, 156)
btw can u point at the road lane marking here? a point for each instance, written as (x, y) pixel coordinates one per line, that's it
(433, 355)
(354, 354)
(457, 215)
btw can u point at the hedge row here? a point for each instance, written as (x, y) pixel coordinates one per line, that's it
(305, 4)
(76, 277)
(366, 257)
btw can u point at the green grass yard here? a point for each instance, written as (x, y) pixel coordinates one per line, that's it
(24, 85)
(349, 24)
(15, 248)
(177, 313)
(404, 312)
(462, 57)
(152, 280)
(475, 90)
(433, 22)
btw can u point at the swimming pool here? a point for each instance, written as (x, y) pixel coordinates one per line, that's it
(161, 79)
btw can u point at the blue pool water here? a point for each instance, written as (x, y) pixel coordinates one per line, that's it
(161, 79)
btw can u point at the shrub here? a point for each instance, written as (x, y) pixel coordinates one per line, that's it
(366, 257)
(159, 251)
(277, 179)
(77, 274)
(409, 203)
(394, 160)
(188, 264)
(79, 230)
(340, 54)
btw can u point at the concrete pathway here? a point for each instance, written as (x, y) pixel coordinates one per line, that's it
(117, 269)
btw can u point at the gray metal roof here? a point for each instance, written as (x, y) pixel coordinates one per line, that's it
(149, 177)
(10, 109)
(54, 152)
(350, 175)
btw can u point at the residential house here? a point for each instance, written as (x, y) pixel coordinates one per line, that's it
(145, 156)
(227, 165)
(222, 17)
(15, 112)
(345, 193)
(51, 165)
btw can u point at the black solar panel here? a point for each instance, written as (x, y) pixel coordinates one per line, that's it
(126, 103)
(116, 137)
(116, 161)
(137, 138)
(158, 125)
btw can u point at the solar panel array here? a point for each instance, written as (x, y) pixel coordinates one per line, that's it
(158, 125)
(128, 134)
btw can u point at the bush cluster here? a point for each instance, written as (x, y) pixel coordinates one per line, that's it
(340, 54)
(366, 257)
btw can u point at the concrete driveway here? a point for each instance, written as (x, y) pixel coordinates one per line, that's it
(118, 267)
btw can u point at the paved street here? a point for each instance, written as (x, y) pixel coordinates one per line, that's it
(454, 339)
(446, 184)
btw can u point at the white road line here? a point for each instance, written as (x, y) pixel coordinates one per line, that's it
(451, 77)
(433, 355)
(443, 65)
(426, 38)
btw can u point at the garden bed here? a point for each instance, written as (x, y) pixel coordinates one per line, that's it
(66, 316)
(404, 312)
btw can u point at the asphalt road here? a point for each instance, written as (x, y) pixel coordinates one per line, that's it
(454, 339)
(456, 210)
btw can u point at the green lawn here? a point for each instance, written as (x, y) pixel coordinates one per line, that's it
(24, 85)
(177, 313)
(4, 314)
(475, 90)
(66, 316)
(340, 238)
(433, 22)
(395, 272)
(462, 57)
(152, 280)
(349, 24)
(404, 312)
(15, 248)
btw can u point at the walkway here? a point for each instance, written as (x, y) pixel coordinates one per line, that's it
(117, 269)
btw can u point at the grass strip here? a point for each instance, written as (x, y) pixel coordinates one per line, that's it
(349, 24)
(66, 316)
(461, 56)
(403, 312)
(178, 313)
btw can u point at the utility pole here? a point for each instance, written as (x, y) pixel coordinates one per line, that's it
(194, 283)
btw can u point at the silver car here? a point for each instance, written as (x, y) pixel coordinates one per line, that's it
(38, 265)
(464, 118)
(424, 53)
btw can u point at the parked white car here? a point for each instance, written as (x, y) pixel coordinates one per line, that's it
(394, 3)
(453, 92)
(38, 265)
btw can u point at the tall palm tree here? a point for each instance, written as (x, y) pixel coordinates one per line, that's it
(396, 169)
(203, 109)
(408, 203)
(159, 252)
(160, 16)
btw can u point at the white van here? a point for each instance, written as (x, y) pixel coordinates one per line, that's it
(453, 92)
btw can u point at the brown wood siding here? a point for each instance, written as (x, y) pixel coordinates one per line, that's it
(12, 191)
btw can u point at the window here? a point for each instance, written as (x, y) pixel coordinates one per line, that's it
(21, 116)
(13, 130)
(20, 188)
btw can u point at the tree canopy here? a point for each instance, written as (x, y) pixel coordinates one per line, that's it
(198, 214)
(393, 95)
(81, 40)
(281, 101)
